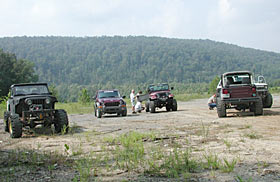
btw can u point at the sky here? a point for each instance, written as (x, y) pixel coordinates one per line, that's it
(247, 23)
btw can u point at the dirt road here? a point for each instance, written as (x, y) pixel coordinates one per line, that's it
(254, 141)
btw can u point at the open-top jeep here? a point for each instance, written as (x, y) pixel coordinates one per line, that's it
(109, 102)
(160, 96)
(262, 91)
(236, 90)
(30, 105)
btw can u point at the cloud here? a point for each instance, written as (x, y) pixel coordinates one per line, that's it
(251, 23)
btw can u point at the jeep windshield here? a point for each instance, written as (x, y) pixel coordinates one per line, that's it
(237, 79)
(30, 90)
(108, 94)
(161, 87)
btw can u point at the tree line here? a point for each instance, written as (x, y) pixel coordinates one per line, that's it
(13, 70)
(69, 63)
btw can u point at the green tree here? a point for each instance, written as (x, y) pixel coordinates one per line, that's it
(84, 96)
(14, 71)
(213, 85)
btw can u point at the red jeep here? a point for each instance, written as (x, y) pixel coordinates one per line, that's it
(160, 96)
(109, 102)
(236, 90)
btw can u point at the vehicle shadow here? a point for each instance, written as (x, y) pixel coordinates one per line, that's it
(250, 114)
(46, 131)
(116, 116)
(271, 113)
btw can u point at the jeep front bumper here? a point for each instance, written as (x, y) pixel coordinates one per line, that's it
(40, 114)
(113, 109)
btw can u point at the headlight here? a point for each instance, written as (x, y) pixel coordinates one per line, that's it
(29, 102)
(48, 101)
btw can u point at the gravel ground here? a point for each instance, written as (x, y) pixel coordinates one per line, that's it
(255, 141)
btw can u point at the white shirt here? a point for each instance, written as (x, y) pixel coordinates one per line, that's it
(132, 97)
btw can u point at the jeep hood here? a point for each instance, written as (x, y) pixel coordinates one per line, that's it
(162, 91)
(35, 97)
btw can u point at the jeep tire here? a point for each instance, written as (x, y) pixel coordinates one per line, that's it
(221, 109)
(174, 105)
(15, 126)
(6, 117)
(147, 107)
(61, 121)
(124, 113)
(258, 108)
(268, 101)
(152, 106)
(168, 107)
(98, 113)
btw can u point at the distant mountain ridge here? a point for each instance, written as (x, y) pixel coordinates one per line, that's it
(136, 59)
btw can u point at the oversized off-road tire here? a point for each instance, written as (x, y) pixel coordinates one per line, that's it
(98, 113)
(124, 113)
(152, 106)
(221, 109)
(174, 105)
(147, 107)
(61, 123)
(6, 117)
(268, 101)
(15, 126)
(168, 108)
(258, 109)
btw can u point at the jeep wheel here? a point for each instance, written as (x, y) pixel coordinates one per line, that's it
(152, 106)
(268, 101)
(98, 113)
(168, 108)
(258, 108)
(174, 105)
(6, 117)
(147, 107)
(221, 109)
(15, 126)
(124, 113)
(61, 121)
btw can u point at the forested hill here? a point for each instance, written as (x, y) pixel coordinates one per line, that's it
(125, 60)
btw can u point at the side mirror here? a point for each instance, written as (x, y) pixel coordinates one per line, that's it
(50, 93)
(124, 97)
(172, 88)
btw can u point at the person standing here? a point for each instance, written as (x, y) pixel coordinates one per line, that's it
(132, 100)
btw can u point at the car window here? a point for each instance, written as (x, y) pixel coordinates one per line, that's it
(30, 89)
(108, 94)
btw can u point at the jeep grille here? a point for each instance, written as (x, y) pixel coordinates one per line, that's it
(162, 95)
(38, 101)
(112, 104)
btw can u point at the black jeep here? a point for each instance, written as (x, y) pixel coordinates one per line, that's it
(160, 96)
(30, 105)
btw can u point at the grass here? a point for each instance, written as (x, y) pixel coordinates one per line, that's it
(253, 135)
(145, 154)
(75, 107)
(188, 97)
(14, 163)
(2, 109)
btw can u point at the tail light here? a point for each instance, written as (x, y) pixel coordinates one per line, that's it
(225, 91)
(254, 90)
